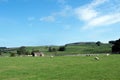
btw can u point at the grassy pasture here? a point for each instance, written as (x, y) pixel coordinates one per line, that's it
(70, 49)
(75, 49)
(60, 68)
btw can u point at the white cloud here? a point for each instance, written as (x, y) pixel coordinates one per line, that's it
(88, 12)
(48, 19)
(95, 14)
(94, 17)
(96, 3)
(66, 11)
(85, 13)
(103, 20)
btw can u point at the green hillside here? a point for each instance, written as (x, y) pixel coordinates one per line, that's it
(70, 49)
(76, 49)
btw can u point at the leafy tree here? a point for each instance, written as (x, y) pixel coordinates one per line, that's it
(32, 53)
(116, 46)
(35, 50)
(98, 43)
(50, 49)
(111, 42)
(27, 53)
(62, 48)
(21, 51)
(18, 52)
(12, 54)
(0, 52)
(54, 50)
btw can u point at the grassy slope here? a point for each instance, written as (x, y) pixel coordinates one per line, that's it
(70, 49)
(76, 49)
(60, 68)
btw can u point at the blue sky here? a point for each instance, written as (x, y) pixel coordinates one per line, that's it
(57, 22)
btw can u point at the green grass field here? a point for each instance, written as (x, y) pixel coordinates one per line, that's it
(76, 49)
(60, 68)
(69, 49)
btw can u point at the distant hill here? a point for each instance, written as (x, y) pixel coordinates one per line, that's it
(81, 43)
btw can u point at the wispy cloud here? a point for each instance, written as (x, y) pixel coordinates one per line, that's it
(64, 11)
(103, 20)
(96, 3)
(53, 16)
(93, 16)
(48, 19)
(86, 13)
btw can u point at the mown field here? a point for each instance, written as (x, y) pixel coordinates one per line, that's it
(60, 68)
